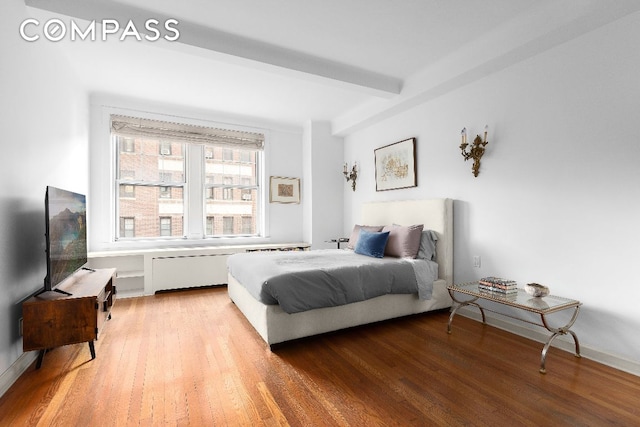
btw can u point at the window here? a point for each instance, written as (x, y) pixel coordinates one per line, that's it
(166, 176)
(128, 145)
(172, 163)
(227, 190)
(210, 193)
(127, 227)
(165, 192)
(210, 225)
(165, 226)
(165, 148)
(247, 225)
(127, 191)
(227, 225)
(247, 191)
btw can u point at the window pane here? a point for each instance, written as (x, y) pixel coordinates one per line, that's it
(239, 165)
(231, 193)
(147, 164)
(243, 210)
(154, 214)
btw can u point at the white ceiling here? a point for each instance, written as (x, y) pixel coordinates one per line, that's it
(290, 61)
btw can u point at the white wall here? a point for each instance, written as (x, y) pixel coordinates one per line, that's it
(323, 178)
(45, 142)
(557, 200)
(285, 159)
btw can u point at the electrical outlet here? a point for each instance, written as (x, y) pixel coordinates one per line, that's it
(476, 261)
(20, 326)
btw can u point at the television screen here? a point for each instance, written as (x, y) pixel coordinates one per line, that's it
(66, 233)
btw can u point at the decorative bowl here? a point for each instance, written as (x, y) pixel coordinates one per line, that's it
(536, 290)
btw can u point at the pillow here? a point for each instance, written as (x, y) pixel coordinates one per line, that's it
(404, 242)
(353, 240)
(371, 243)
(428, 245)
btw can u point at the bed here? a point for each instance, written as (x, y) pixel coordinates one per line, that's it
(276, 326)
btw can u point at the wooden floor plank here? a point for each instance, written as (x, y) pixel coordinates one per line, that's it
(191, 358)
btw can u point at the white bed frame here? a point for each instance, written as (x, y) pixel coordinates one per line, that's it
(275, 326)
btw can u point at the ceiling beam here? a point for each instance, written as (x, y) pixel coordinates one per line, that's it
(233, 48)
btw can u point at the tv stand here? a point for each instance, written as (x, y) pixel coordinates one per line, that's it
(74, 312)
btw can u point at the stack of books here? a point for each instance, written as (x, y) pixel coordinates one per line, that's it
(498, 286)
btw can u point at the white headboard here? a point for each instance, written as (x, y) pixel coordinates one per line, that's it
(435, 214)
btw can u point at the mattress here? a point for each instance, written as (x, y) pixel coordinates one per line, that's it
(300, 281)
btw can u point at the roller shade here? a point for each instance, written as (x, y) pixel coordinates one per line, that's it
(134, 127)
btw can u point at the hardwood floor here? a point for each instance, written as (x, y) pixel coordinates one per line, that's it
(190, 358)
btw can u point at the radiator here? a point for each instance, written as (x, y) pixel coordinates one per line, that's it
(178, 272)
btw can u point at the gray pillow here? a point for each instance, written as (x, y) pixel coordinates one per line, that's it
(428, 245)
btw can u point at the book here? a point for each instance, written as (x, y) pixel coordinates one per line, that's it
(492, 285)
(497, 281)
(498, 295)
(497, 284)
(497, 290)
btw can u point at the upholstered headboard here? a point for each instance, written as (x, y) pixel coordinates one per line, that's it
(435, 214)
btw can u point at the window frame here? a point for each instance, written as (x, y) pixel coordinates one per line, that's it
(195, 231)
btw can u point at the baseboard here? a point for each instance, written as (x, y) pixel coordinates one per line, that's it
(129, 294)
(11, 375)
(561, 342)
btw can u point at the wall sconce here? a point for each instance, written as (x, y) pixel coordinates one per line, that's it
(352, 175)
(476, 150)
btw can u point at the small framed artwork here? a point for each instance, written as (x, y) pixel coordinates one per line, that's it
(284, 190)
(396, 165)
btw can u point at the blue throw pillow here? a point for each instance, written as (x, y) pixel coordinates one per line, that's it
(371, 243)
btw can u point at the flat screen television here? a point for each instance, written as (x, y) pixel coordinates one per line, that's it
(66, 235)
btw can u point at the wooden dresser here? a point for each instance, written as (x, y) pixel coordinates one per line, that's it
(53, 319)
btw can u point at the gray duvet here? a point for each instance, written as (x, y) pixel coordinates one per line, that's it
(305, 280)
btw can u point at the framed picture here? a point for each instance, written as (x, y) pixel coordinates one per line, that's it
(284, 190)
(396, 165)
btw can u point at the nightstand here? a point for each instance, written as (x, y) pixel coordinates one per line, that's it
(338, 240)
